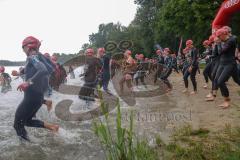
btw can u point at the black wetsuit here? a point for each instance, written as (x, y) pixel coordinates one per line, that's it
(227, 66)
(6, 85)
(71, 71)
(174, 64)
(92, 68)
(215, 58)
(207, 69)
(238, 66)
(182, 63)
(141, 72)
(169, 67)
(160, 66)
(192, 61)
(33, 99)
(105, 76)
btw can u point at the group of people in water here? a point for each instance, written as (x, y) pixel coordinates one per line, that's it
(221, 56)
(5, 80)
(96, 72)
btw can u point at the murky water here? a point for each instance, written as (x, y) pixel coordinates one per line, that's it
(75, 140)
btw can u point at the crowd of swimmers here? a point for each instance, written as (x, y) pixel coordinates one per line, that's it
(221, 56)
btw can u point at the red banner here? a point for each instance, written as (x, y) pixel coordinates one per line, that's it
(228, 8)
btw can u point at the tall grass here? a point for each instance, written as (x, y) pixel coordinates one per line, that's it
(122, 143)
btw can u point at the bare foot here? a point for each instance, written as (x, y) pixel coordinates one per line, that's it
(205, 86)
(185, 91)
(193, 93)
(225, 105)
(168, 89)
(55, 128)
(52, 127)
(209, 95)
(49, 105)
(210, 99)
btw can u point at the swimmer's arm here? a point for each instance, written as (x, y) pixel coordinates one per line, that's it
(40, 67)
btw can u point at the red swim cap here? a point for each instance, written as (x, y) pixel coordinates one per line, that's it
(2, 69)
(166, 49)
(189, 42)
(101, 50)
(221, 32)
(89, 51)
(211, 39)
(31, 42)
(141, 56)
(206, 43)
(128, 52)
(158, 51)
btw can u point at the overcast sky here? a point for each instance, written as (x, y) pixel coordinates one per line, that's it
(62, 25)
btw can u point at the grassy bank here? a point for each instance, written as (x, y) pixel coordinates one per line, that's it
(121, 143)
(188, 144)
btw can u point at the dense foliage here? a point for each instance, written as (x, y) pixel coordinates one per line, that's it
(164, 22)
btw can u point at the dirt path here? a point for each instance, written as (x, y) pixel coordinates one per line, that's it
(207, 114)
(161, 115)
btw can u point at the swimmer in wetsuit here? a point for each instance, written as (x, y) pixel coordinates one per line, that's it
(91, 71)
(227, 64)
(34, 86)
(160, 64)
(169, 66)
(5, 80)
(192, 67)
(214, 62)
(128, 68)
(206, 55)
(142, 69)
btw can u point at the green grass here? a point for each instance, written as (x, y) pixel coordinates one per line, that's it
(200, 144)
(202, 65)
(121, 143)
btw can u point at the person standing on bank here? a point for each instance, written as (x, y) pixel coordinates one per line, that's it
(105, 75)
(227, 65)
(192, 58)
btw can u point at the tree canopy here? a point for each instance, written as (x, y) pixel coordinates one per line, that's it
(164, 22)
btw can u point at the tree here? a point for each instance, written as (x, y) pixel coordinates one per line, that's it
(164, 22)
